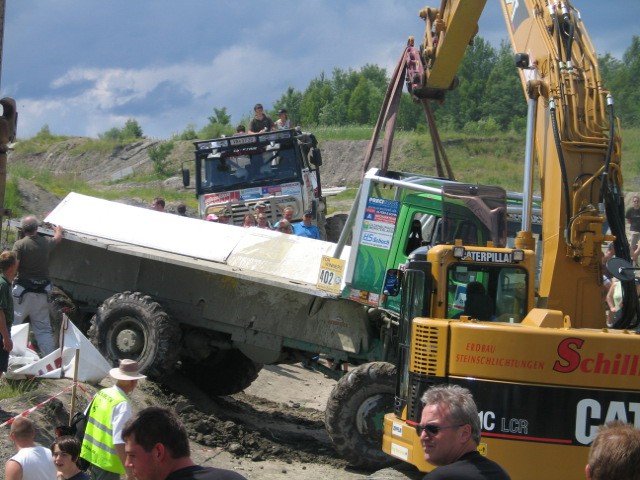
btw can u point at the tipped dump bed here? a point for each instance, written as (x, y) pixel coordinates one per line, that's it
(265, 256)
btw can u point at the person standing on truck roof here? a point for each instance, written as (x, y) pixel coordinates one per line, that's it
(449, 432)
(614, 453)
(283, 121)
(32, 285)
(306, 228)
(260, 122)
(157, 448)
(109, 411)
(8, 267)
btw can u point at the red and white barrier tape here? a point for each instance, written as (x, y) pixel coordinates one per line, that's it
(27, 412)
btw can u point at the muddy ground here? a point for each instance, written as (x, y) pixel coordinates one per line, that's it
(272, 430)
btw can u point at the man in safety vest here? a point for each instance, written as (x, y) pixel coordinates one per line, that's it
(103, 446)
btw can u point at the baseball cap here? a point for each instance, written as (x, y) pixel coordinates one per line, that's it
(212, 217)
(282, 110)
(308, 212)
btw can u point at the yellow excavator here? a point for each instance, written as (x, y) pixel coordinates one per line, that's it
(529, 341)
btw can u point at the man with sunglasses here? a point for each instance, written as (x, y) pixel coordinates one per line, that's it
(450, 433)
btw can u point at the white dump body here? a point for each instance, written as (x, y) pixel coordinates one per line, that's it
(266, 256)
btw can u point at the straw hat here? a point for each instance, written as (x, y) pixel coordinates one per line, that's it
(128, 370)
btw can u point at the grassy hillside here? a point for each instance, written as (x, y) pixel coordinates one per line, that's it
(495, 159)
(60, 165)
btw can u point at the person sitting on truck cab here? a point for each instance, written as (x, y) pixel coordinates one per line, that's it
(283, 121)
(260, 122)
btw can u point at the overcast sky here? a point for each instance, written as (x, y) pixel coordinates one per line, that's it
(84, 66)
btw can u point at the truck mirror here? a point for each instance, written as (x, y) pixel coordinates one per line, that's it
(315, 157)
(392, 283)
(186, 177)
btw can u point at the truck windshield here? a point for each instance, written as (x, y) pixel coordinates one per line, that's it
(487, 292)
(242, 168)
(247, 161)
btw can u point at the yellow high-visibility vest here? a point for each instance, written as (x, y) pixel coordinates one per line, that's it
(97, 445)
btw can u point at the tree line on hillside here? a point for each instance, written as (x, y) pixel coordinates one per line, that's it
(489, 97)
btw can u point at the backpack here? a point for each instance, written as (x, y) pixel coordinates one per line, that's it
(76, 429)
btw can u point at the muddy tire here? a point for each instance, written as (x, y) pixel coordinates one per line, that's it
(226, 372)
(334, 226)
(400, 472)
(132, 325)
(355, 413)
(59, 303)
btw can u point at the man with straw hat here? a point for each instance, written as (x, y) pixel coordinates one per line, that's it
(103, 446)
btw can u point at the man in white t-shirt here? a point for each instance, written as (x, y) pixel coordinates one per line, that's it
(31, 461)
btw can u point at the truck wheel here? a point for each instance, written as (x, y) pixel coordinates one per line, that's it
(334, 226)
(355, 414)
(132, 325)
(59, 303)
(227, 372)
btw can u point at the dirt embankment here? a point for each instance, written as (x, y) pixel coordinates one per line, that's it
(342, 166)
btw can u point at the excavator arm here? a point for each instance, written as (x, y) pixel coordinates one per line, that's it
(572, 134)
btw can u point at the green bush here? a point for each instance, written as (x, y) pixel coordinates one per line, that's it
(158, 156)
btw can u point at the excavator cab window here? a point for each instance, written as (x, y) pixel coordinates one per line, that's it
(486, 292)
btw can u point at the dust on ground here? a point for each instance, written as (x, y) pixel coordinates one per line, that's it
(272, 430)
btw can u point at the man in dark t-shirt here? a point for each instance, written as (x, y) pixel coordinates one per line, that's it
(260, 122)
(450, 433)
(157, 448)
(32, 284)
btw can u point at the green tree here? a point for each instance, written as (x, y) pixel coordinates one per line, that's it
(463, 104)
(159, 157)
(315, 97)
(290, 100)
(503, 99)
(132, 129)
(220, 116)
(359, 103)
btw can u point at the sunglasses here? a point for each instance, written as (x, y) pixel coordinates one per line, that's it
(432, 429)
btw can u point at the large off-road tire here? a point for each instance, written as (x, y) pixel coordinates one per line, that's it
(334, 226)
(132, 325)
(355, 414)
(224, 372)
(59, 303)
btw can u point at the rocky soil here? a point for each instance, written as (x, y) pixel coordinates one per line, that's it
(272, 430)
